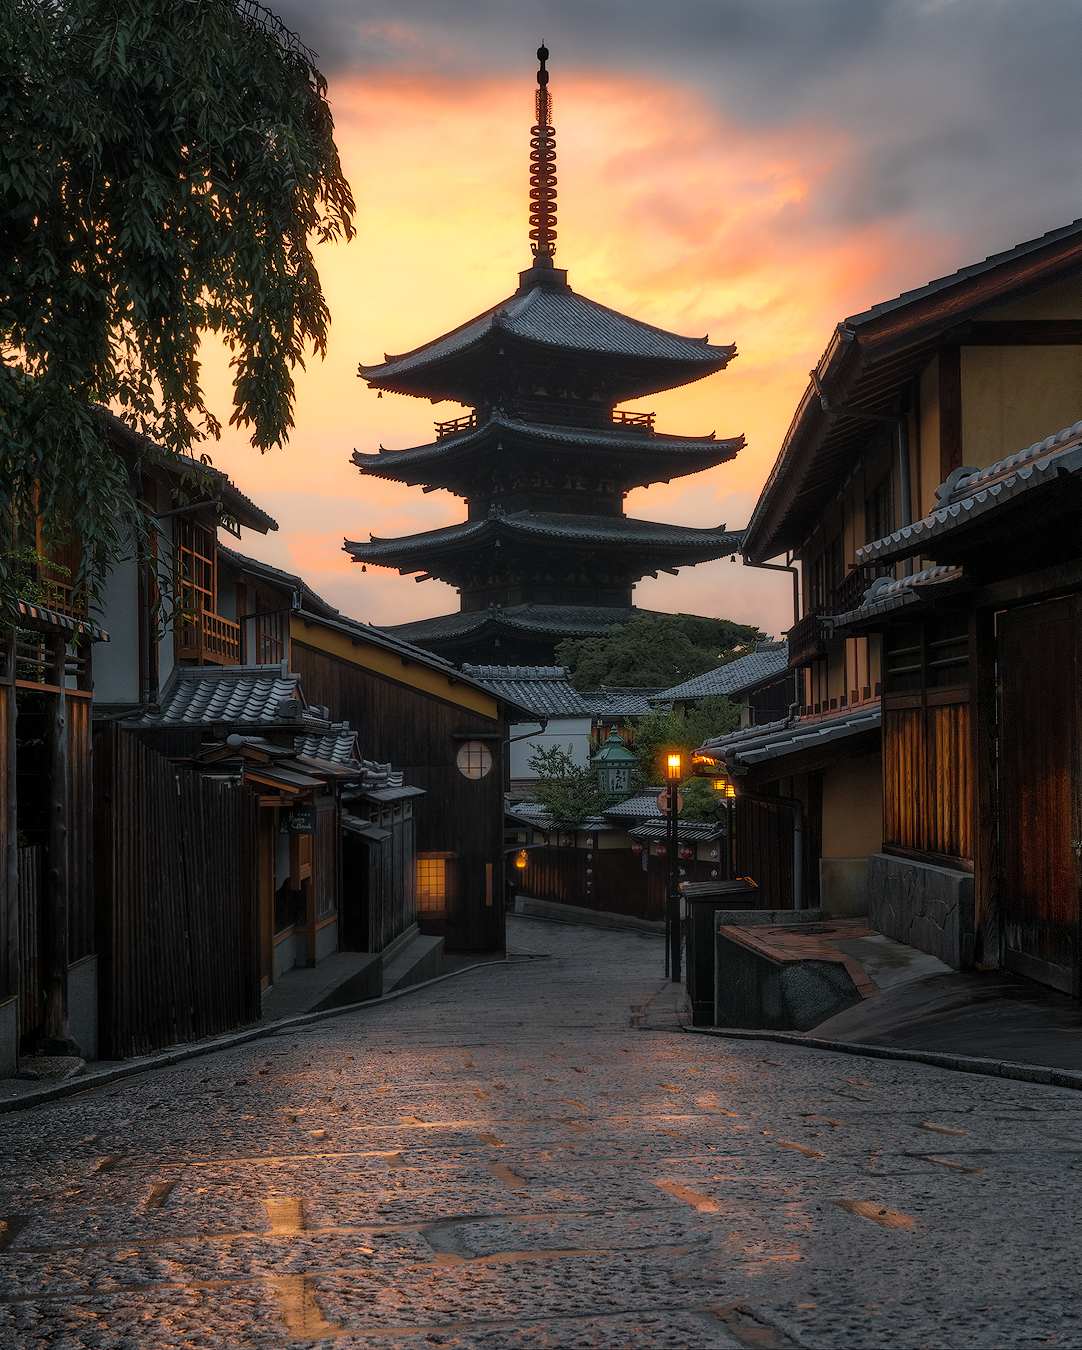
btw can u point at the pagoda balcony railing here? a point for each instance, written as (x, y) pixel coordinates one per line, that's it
(633, 420)
(209, 638)
(457, 425)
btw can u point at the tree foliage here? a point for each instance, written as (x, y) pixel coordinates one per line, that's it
(655, 651)
(569, 792)
(165, 166)
(665, 730)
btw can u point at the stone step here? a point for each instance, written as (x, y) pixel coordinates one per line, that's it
(421, 960)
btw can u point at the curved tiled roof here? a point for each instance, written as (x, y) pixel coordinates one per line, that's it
(556, 318)
(546, 689)
(885, 595)
(741, 750)
(207, 695)
(769, 660)
(536, 527)
(554, 620)
(612, 700)
(970, 493)
(678, 454)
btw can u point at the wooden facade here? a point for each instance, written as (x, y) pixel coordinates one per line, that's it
(175, 899)
(612, 880)
(422, 733)
(954, 377)
(46, 892)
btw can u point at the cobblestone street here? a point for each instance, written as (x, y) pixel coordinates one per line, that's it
(533, 1155)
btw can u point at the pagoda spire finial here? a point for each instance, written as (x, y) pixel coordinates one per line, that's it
(543, 171)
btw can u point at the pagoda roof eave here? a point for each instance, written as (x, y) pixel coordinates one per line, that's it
(540, 323)
(557, 621)
(535, 529)
(674, 455)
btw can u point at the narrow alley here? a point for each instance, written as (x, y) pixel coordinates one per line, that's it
(533, 1154)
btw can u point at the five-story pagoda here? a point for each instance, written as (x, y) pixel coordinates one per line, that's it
(545, 458)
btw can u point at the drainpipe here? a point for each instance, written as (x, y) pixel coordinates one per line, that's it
(796, 806)
(777, 567)
(898, 420)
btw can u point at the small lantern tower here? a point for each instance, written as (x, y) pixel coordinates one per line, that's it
(614, 762)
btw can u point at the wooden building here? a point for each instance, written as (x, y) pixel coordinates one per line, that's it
(444, 730)
(616, 863)
(322, 879)
(543, 460)
(982, 755)
(957, 373)
(761, 685)
(47, 964)
(191, 504)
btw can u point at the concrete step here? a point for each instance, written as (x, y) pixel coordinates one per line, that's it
(342, 978)
(420, 960)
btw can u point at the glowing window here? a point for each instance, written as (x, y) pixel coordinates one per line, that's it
(474, 759)
(431, 885)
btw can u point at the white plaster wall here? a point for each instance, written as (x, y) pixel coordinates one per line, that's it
(561, 731)
(116, 662)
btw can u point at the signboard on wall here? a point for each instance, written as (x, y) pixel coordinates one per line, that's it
(297, 820)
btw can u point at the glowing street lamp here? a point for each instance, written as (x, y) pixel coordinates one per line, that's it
(673, 764)
(520, 861)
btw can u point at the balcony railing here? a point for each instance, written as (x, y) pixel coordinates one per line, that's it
(633, 420)
(806, 641)
(456, 426)
(208, 638)
(850, 594)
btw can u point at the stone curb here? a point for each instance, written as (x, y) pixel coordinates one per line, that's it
(994, 1068)
(85, 1082)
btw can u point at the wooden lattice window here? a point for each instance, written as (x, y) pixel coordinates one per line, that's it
(196, 567)
(431, 885)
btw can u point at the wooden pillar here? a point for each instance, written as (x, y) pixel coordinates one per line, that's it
(56, 897)
(9, 835)
(950, 411)
(983, 805)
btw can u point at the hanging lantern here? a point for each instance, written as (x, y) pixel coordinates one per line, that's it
(661, 850)
(637, 846)
(567, 841)
(520, 861)
(686, 851)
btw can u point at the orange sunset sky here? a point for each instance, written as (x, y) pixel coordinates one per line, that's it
(671, 208)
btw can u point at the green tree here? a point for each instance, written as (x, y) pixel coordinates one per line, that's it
(165, 167)
(655, 651)
(665, 730)
(569, 792)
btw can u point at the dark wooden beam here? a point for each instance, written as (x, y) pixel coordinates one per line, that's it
(1038, 585)
(1017, 333)
(56, 898)
(950, 411)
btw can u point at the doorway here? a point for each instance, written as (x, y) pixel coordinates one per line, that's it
(1038, 776)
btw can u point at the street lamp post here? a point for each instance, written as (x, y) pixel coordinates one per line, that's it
(673, 907)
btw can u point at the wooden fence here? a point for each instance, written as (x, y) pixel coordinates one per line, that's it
(613, 880)
(31, 995)
(175, 899)
(379, 890)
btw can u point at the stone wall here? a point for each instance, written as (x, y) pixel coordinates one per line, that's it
(928, 907)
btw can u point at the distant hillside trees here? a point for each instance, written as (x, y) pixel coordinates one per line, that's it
(655, 651)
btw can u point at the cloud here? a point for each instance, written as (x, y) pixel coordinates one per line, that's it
(961, 111)
(755, 171)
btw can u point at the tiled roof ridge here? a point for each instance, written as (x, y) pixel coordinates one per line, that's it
(966, 273)
(548, 673)
(567, 525)
(968, 488)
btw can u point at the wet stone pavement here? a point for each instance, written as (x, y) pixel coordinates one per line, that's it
(534, 1155)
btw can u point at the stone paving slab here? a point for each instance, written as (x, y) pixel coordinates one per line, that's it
(510, 1160)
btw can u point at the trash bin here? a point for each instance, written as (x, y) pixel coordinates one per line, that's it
(702, 900)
